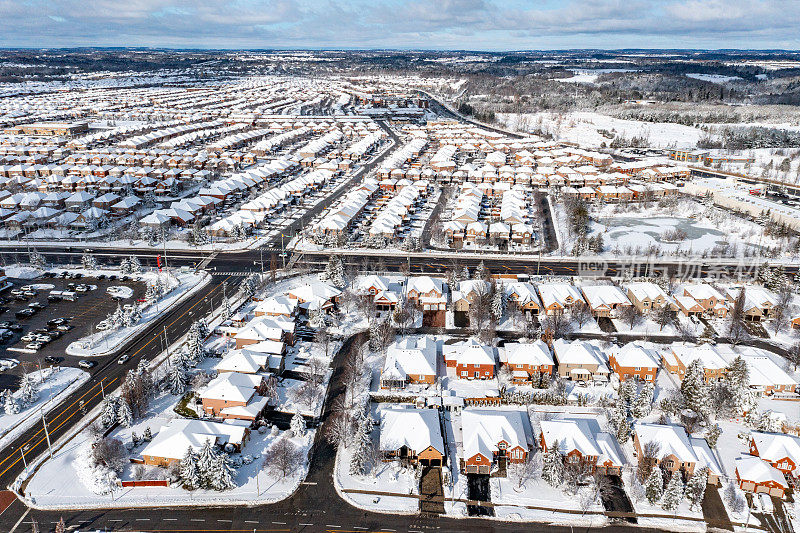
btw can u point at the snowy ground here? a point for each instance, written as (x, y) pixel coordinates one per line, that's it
(591, 130)
(104, 342)
(59, 382)
(22, 271)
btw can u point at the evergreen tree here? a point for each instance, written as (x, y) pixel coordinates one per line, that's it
(10, 404)
(109, 414)
(362, 442)
(298, 425)
(499, 303)
(480, 271)
(673, 494)
(88, 261)
(222, 474)
(696, 487)
(695, 390)
(28, 394)
(206, 463)
(552, 466)
(654, 486)
(147, 436)
(644, 401)
(334, 272)
(189, 471)
(177, 380)
(712, 435)
(124, 414)
(136, 265)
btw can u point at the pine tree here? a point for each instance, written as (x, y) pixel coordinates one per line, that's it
(499, 303)
(654, 486)
(28, 394)
(695, 389)
(298, 425)
(88, 261)
(189, 471)
(136, 265)
(644, 401)
(110, 407)
(177, 380)
(552, 466)
(673, 494)
(361, 443)
(125, 266)
(712, 435)
(10, 404)
(206, 463)
(147, 436)
(480, 271)
(124, 414)
(623, 431)
(222, 477)
(696, 487)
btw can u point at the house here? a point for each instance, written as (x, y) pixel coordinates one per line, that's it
(580, 361)
(780, 450)
(689, 306)
(580, 440)
(766, 377)
(265, 328)
(675, 450)
(409, 360)
(646, 296)
(255, 358)
(710, 299)
(489, 437)
(412, 435)
(428, 294)
(604, 300)
(527, 359)
(557, 297)
(172, 441)
(470, 359)
(523, 296)
(634, 361)
(758, 477)
(796, 322)
(234, 395)
(682, 354)
(280, 306)
(315, 296)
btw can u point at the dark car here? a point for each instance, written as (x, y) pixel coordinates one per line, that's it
(15, 327)
(25, 313)
(37, 305)
(101, 276)
(53, 360)
(112, 277)
(49, 274)
(78, 275)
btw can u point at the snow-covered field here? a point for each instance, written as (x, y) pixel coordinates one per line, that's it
(591, 130)
(52, 385)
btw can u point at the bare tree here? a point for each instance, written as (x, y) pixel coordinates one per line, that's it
(323, 339)
(648, 457)
(480, 311)
(110, 453)
(316, 369)
(736, 329)
(580, 312)
(780, 312)
(664, 316)
(793, 355)
(338, 428)
(631, 315)
(556, 324)
(528, 470)
(307, 393)
(282, 458)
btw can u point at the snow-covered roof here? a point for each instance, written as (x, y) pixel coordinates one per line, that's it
(637, 356)
(578, 352)
(410, 356)
(232, 387)
(483, 430)
(560, 293)
(529, 353)
(753, 469)
(469, 352)
(643, 290)
(277, 305)
(180, 434)
(708, 355)
(776, 446)
(416, 429)
(604, 296)
(672, 440)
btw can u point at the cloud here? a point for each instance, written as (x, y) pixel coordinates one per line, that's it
(462, 24)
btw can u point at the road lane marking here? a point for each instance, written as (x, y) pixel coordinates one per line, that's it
(21, 518)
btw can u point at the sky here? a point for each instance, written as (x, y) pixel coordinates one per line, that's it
(402, 24)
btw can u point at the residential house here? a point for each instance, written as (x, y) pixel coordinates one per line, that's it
(634, 361)
(489, 437)
(412, 435)
(470, 359)
(172, 441)
(646, 295)
(527, 359)
(234, 395)
(604, 300)
(780, 450)
(523, 295)
(580, 361)
(674, 449)
(557, 297)
(758, 477)
(580, 440)
(681, 354)
(409, 360)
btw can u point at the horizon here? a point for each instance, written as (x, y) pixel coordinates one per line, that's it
(484, 25)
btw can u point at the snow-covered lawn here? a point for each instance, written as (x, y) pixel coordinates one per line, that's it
(387, 477)
(181, 285)
(22, 271)
(52, 385)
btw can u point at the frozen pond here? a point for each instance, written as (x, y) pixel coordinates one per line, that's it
(624, 231)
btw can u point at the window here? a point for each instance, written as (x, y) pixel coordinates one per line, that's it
(669, 464)
(477, 374)
(502, 445)
(464, 373)
(638, 369)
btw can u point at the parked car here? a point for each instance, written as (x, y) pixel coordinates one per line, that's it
(37, 305)
(64, 327)
(53, 360)
(83, 363)
(103, 325)
(25, 313)
(34, 346)
(28, 337)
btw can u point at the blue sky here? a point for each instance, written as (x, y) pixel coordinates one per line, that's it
(430, 24)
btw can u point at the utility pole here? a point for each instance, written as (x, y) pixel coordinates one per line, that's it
(283, 253)
(166, 343)
(46, 433)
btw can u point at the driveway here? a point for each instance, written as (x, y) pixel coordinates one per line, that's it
(714, 511)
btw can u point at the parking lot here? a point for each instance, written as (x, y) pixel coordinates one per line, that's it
(63, 320)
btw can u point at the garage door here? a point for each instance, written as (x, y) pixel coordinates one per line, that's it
(748, 486)
(776, 491)
(761, 489)
(436, 462)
